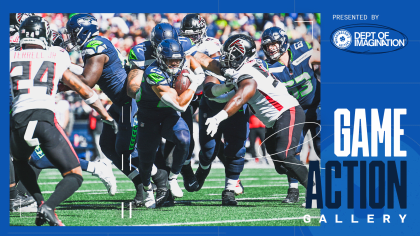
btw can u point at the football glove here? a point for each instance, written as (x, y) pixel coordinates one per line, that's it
(112, 123)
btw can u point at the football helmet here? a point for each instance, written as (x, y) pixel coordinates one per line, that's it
(194, 26)
(237, 50)
(57, 39)
(161, 32)
(80, 28)
(16, 19)
(168, 51)
(274, 35)
(35, 30)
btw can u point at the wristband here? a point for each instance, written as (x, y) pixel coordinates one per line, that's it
(221, 116)
(92, 99)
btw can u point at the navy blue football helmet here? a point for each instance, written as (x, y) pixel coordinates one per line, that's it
(80, 28)
(274, 35)
(168, 51)
(161, 32)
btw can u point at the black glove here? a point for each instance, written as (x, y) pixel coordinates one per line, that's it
(113, 123)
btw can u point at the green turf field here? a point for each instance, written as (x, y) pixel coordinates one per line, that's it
(260, 205)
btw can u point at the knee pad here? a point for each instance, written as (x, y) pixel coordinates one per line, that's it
(234, 164)
(182, 137)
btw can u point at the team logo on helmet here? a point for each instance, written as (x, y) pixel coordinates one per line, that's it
(201, 22)
(238, 46)
(86, 21)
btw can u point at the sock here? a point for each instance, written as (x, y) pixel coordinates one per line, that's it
(173, 176)
(147, 188)
(297, 169)
(84, 164)
(230, 184)
(90, 166)
(154, 170)
(13, 192)
(28, 177)
(64, 189)
(293, 185)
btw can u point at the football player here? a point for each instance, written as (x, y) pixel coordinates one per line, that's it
(34, 74)
(140, 57)
(235, 130)
(102, 169)
(104, 65)
(158, 115)
(267, 97)
(293, 66)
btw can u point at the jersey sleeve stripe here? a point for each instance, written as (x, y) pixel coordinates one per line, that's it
(273, 102)
(302, 57)
(291, 126)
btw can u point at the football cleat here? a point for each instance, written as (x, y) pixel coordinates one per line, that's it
(46, 214)
(103, 171)
(201, 176)
(190, 181)
(228, 198)
(175, 189)
(292, 196)
(21, 201)
(138, 199)
(149, 198)
(239, 188)
(170, 201)
(161, 187)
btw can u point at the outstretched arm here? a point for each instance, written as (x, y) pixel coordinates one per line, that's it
(246, 89)
(208, 63)
(90, 96)
(170, 97)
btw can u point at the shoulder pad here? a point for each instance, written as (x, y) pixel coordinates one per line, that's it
(154, 76)
(136, 57)
(94, 47)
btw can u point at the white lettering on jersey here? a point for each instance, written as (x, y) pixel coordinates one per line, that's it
(271, 98)
(34, 75)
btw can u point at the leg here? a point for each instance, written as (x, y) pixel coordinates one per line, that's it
(190, 181)
(281, 145)
(176, 130)
(235, 131)
(209, 146)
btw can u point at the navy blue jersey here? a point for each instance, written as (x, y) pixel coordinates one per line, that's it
(142, 55)
(149, 100)
(113, 78)
(299, 78)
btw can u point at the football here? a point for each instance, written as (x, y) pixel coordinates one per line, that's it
(181, 82)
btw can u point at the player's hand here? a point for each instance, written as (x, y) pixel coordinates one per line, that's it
(113, 123)
(194, 79)
(213, 122)
(228, 74)
(63, 88)
(213, 125)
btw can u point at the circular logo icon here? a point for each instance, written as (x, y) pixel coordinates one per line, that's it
(342, 39)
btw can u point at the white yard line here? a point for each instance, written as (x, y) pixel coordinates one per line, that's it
(229, 221)
(132, 189)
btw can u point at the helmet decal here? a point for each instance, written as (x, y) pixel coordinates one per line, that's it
(238, 46)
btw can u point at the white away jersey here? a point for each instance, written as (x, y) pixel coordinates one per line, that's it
(271, 98)
(34, 75)
(209, 46)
